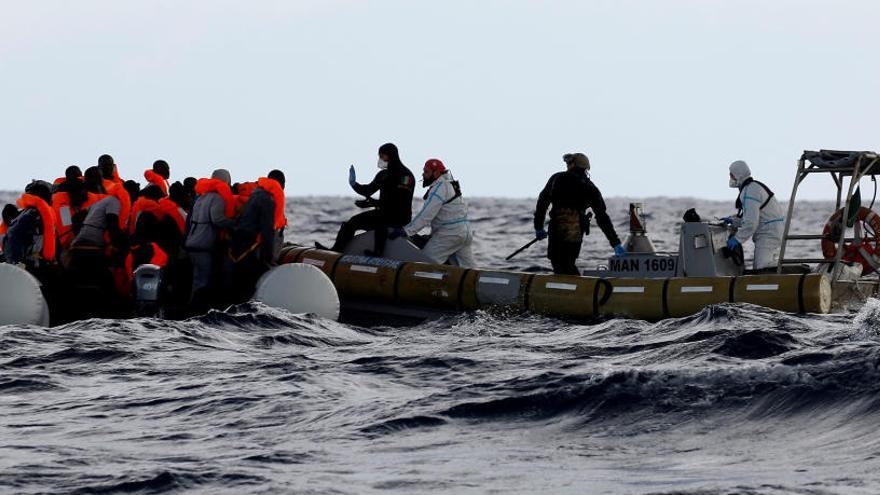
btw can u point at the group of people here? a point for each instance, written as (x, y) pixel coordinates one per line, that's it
(84, 236)
(214, 238)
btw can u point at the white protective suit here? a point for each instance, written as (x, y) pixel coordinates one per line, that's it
(451, 234)
(760, 218)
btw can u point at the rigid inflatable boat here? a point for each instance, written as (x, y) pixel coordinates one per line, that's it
(645, 284)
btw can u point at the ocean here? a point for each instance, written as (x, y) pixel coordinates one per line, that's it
(735, 399)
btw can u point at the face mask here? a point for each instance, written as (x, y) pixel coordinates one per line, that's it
(382, 164)
(427, 182)
(733, 183)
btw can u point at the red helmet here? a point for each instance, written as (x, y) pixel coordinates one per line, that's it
(435, 165)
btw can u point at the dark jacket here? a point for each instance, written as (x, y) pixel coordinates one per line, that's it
(19, 240)
(258, 217)
(396, 186)
(573, 191)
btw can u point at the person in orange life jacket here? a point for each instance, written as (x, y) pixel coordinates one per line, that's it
(258, 235)
(146, 216)
(115, 186)
(189, 186)
(91, 254)
(70, 173)
(69, 203)
(9, 214)
(396, 185)
(30, 239)
(212, 217)
(159, 175)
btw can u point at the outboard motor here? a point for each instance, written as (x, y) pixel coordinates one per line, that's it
(148, 290)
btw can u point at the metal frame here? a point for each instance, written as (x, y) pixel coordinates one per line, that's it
(855, 174)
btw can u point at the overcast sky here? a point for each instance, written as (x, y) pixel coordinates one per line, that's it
(662, 95)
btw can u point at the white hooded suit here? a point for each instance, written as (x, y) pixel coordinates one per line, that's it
(760, 216)
(450, 231)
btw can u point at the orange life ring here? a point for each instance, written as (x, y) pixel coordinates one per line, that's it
(866, 253)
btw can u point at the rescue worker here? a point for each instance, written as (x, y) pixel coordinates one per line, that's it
(159, 175)
(571, 193)
(759, 217)
(30, 239)
(258, 236)
(445, 210)
(212, 217)
(396, 185)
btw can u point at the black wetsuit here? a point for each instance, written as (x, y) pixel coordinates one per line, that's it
(395, 185)
(570, 193)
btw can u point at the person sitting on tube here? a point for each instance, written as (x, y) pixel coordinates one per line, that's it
(446, 211)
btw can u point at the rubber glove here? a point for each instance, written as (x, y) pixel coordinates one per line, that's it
(540, 234)
(726, 220)
(396, 232)
(619, 250)
(352, 177)
(732, 243)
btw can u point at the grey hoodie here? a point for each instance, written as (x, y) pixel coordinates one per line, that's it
(208, 217)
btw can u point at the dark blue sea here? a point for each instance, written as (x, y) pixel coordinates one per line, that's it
(735, 399)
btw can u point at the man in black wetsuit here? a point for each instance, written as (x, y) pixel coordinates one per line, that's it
(393, 209)
(571, 193)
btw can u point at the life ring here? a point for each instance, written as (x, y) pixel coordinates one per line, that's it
(866, 253)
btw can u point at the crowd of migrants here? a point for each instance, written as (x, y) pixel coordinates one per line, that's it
(85, 234)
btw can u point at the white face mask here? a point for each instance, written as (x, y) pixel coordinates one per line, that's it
(733, 183)
(382, 164)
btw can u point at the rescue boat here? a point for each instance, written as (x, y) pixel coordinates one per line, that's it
(645, 284)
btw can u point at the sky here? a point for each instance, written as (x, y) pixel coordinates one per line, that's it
(661, 96)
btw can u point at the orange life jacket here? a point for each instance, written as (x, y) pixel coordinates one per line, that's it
(170, 210)
(159, 258)
(116, 190)
(274, 188)
(48, 219)
(205, 186)
(245, 189)
(157, 180)
(3, 230)
(143, 205)
(64, 212)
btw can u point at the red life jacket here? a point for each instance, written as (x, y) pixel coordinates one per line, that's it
(48, 219)
(274, 188)
(159, 258)
(205, 186)
(143, 205)
(170, 210)
(116, 190)
(157, 180)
